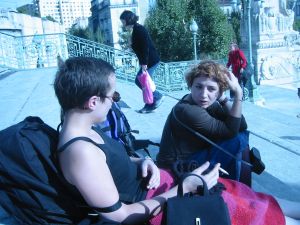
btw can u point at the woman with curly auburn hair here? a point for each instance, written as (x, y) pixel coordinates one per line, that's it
(210, 69)
(207, 110)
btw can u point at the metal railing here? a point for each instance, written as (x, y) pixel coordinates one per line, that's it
(36, 51)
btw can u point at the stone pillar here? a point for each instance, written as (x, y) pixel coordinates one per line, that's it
(272, 40)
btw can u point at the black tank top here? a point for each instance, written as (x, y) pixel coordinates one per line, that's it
(126, 174)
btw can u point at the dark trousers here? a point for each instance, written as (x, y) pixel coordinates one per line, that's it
(236, 146)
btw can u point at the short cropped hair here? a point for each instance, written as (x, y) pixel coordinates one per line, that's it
(80, 78)
(209, 69)
(129, 17)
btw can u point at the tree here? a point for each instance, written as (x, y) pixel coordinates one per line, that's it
(87, 33)
(124, 39)
(168, 25)
(236, 24)
(96, 36)
(50, 18)
(215, 32)
(296, 25)
(25, 9)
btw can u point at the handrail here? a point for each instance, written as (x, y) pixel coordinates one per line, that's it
(36, 51)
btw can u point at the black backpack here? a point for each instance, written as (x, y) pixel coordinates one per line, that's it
(32, 189)
(117, 127)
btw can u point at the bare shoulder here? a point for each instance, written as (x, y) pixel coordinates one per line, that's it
(84, 165)
(81, 156)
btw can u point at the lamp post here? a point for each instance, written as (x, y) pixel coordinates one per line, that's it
(253, 92)
(194, 29)
(254, 95)
(37, 40)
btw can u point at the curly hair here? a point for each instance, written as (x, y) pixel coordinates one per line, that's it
(210, 69)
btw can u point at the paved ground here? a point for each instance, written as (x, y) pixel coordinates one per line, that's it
(275, 129)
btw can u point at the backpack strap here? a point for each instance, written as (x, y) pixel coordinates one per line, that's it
(67, 144)
(117, 114)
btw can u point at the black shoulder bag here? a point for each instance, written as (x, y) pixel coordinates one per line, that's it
(201, 208)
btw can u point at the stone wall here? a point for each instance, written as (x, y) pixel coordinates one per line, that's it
(276, 46)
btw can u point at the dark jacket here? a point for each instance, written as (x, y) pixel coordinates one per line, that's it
(214, 123)
(143, 46)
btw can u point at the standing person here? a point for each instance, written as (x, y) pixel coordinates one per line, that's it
(144, 49)
(132, 190)
(238, 62)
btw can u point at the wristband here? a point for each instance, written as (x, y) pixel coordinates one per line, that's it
(222, 103)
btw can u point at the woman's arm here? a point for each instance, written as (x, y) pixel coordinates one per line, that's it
(234, 109)
(148, 168)
(144, 210)
(88, 171)
(207, 122)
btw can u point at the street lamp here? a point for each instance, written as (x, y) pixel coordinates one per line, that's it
(194, 29)
(253, 92)
(37, 41)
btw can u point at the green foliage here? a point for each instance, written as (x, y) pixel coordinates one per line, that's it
(168, 28)
(168, 25)
(215, 32)
(124, 39)
(296, 25)
(50, 18)
(236, 24)
(87, 33)
(25, 10)
(97, 36)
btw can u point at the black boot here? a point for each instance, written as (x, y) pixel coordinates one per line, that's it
(255, 159)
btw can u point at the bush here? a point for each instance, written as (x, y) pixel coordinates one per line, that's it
(168, 25)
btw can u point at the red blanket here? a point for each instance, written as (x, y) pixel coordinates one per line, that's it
(246, 207)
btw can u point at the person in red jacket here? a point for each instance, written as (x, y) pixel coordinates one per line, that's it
(237, 61)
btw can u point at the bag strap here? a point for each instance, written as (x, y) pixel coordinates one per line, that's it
(120, 115)
(208, 140)
(174, 140)
(180, 185)
(117, 114)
